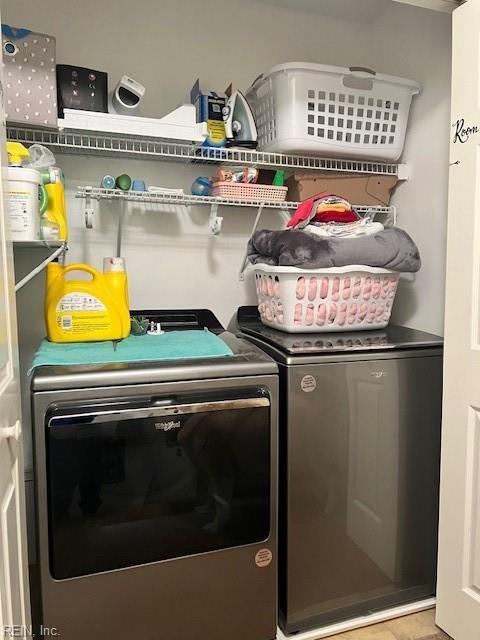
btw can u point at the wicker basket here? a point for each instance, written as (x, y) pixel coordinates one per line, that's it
(248, 191)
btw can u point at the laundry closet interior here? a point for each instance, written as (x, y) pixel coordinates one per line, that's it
(187, 256)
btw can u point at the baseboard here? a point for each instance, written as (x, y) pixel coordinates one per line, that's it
(364, 621)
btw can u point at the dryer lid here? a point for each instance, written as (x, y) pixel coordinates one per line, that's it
(247, 359)
(392, 337)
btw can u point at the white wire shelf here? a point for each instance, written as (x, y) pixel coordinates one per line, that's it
(98, 193)
(37, 244)
(286, 161)
(108, 144)
(144, 197)
(58, 247)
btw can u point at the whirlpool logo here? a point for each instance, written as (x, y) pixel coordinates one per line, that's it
(167, 426)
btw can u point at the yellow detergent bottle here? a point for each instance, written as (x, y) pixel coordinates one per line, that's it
(115, 276)
(54, 218)
(87, 310)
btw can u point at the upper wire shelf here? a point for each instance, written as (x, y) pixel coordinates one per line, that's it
(143, 147)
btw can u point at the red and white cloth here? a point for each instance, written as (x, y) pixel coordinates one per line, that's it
(323, 208)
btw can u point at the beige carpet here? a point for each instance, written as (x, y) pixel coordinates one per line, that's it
(419, 626)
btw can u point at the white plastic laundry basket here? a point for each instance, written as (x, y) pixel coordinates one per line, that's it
(336, 299)
(302, 107)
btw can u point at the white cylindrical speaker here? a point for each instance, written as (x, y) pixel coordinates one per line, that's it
(126, 98)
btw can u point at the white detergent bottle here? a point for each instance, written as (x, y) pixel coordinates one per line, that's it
(25, 196)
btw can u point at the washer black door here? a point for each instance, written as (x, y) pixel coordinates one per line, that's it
(155, 479)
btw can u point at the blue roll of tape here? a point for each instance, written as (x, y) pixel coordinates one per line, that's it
(108, 182)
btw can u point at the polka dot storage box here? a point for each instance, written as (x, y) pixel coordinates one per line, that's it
(308, 108)
(348, 298)
(29, 77)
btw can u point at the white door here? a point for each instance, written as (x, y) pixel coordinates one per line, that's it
(458, 605)
(14, 593)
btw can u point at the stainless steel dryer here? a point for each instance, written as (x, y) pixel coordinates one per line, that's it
(360, 418)
(156, 495)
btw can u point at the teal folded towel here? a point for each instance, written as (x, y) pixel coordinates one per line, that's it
(171, 345)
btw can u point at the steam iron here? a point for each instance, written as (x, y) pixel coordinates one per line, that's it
(240, 127)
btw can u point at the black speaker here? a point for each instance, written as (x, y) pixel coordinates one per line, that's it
(81, 88)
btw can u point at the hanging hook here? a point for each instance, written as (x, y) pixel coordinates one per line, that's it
(121, 216)
(89, 210)
(215, 220)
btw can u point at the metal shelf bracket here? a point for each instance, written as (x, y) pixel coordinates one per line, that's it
(56, 254)
(403, 172)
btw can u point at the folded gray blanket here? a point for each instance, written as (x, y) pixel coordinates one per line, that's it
(391, 248)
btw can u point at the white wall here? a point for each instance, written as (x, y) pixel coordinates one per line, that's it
(173, 260)
(417, 43)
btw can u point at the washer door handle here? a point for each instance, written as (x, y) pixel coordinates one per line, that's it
(153, 411)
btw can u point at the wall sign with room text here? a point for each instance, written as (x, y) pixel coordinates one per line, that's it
(463, 131)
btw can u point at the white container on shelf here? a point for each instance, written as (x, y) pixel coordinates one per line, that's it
(307, 108)
(180, 124)
(248, 191)
(22, 202)
(348, 298)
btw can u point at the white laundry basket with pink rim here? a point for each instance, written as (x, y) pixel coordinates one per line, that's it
(348, 298)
